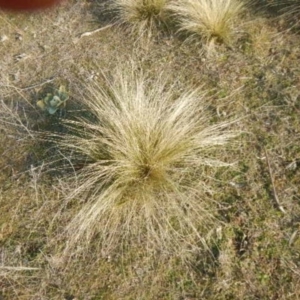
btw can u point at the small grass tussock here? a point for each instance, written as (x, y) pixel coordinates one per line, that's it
(145, 154)
(142, 16)
(209, 19)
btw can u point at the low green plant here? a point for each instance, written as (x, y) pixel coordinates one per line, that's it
(146, 152)
(53, 101)
(208, 19)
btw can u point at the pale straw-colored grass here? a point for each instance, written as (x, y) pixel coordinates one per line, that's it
(207, 19)
(145, 152)
(141, 16)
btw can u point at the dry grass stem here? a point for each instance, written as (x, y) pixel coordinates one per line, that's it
(14, 120)
(280, 207)
(18, 268)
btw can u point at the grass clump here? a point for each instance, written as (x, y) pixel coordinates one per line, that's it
(209, 19)
(142, 16)
(145, 152)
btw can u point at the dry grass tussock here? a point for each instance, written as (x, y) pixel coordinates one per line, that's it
(209, 19)
(145, 152)
(142, 16)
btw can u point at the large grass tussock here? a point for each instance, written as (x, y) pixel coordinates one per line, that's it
(145, 152)
(208, 19)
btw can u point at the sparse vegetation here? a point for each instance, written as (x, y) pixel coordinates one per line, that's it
(171, 225)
